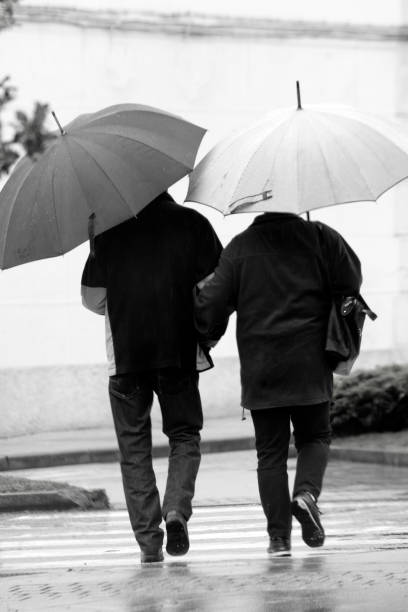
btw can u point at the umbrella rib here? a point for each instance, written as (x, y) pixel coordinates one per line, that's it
(15, 196)
(323, 157)
(351, 157)
(83, 133)
(374, 152)
(14, 202)
(105, 174)
(255, 153)
(55, 211)
(150, 110)
(285, 133)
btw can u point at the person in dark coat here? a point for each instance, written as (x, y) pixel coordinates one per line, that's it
(274, 276)
(141, 279)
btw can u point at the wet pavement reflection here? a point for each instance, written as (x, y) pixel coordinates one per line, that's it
(89, 561)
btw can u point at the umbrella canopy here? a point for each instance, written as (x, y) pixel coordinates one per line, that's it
(301, 159)
(104, 166)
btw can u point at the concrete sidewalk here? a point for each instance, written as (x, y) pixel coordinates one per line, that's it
(219, 435)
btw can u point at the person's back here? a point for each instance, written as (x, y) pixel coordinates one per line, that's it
(275, 275)
(149, 266)
(142, 278)
(277, 286)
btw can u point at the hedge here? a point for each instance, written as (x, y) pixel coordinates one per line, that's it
(371, 400)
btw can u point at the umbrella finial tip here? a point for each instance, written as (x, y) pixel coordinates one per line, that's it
(58, 123)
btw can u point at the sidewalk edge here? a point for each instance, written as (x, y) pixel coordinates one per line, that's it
(54, 499)
(110, 455)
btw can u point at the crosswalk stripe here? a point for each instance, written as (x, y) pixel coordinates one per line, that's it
(210, 547)
(20, 535)
(237, 511)
(124, 527)
(124, 543)
(123, 538)
(70, 539)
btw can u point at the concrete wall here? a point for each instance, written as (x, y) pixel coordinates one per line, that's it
(53, 398)
(49, 344)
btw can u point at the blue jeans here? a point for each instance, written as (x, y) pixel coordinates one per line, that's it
(131, 397)
(312, 434)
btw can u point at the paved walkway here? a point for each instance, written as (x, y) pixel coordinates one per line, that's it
(219, 434)
(95, 445)
(89, 561)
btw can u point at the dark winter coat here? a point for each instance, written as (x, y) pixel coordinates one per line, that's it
(273, 276)
(142, 279)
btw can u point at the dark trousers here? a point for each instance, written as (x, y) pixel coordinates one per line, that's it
(312, 434)
(131, 397)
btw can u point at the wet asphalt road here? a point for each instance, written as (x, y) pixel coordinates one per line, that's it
(89, 561)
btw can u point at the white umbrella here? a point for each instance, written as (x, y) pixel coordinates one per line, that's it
(300, 159)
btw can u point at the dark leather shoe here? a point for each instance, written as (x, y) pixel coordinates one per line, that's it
(151, 556)
(305, 509)
(177, 534)
(279, 547)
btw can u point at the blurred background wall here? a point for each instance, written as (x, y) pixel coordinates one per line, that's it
(221, 64)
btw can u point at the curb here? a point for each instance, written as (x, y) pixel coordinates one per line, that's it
(62, 499)
(395, 458)
(110, 455)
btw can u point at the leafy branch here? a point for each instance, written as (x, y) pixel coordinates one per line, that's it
(8, 154)
(7, 13)
(27, 132)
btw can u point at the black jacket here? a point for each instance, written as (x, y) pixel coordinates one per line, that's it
(273, 276)
(142, 278)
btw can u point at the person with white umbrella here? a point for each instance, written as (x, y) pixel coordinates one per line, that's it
(272, 275)
(281, 275)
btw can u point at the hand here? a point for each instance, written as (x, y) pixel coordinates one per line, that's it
(210, 343)
(204, 281)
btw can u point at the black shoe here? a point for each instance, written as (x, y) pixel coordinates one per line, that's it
(177, 534)
(151, 556)
(279, 547)
(305, 509)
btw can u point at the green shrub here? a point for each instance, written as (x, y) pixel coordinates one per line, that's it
(371, 400)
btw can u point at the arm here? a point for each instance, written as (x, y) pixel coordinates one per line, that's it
(344, 265)
(215, 302)
(93, 285)
(209, 249)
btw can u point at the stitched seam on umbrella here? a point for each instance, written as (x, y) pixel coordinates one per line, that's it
(298, 166)
(280, 144)
(222, 147)
(12, 209)
(55, 209)
(150, 110)
(323, 157)
(105, 174)
(390, 187)
(79, 137)
(11, 214)
(373, 151)
(173, 159)
(255, 153)
(346, 153)
(210, 158)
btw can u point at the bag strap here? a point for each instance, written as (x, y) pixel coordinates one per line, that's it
(323, 256)
(366, 309)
